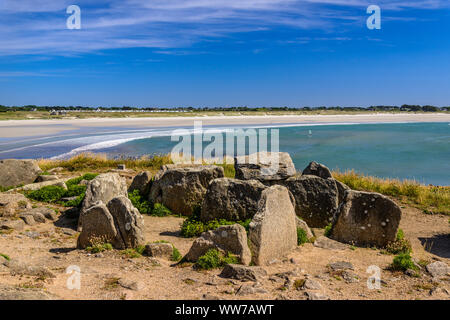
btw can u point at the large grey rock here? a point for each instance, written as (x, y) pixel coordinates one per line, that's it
(14, 224)
(159, 250)
(103, 188)
(317, 169)
(232, 238)
(128, 221)
(366, 219)
(231, 199)
(182, 188)
(273, 232)
(342, 188)
(266, 167)
(438, 269)
(243, 273)
(327, 243)
(21, 268)
(18, 172)
(316, 199)
(141, 182)
(10, 203)
(98, 227)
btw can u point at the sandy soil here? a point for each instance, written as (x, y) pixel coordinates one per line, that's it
(56, 250)
(22, 128)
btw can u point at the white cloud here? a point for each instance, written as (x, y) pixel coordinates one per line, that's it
(38, 26)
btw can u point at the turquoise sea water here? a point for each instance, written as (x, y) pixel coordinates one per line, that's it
(419, 151)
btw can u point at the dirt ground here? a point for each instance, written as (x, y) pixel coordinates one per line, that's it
(53, 245)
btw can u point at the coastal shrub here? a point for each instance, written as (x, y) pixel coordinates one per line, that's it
(193, 227)
(139, 202)
(400, 245)
(91, 161)
(76, 181)
(327, 231)
(302, 237)
(214, 259)
(160, 210)
(403, 262)
(47, 194)
(431, 199)
(133, 253)
(176, 255)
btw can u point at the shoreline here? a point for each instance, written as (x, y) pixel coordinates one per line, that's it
(40, 127)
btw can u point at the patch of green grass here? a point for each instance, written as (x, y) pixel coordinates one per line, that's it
(5, 256)
(214, 259)
(176, 255)
(298, 284)
(302, 237)
(76, 181)
(431, 199)
(403, 262)
(100, 247)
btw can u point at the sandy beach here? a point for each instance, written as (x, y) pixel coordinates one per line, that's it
(23, 128)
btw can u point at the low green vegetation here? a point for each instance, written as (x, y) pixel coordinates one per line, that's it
(214, 259)
(327, 230)
(99, 247)
(90, 161)
(176, 255)
(52, 194)
(193, 227)
(302, 237)
(139, 202)
(403, 262)
(133, 253)
(5, 256)
(160, 210)
(400, 245)
(431, 199)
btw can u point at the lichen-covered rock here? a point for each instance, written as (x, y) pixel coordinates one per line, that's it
(317, 169)
(232, 238)
(366, 219)
(128, 221)
(182, 188)
(267, 167)
(103, 188)
(10, 203)
(141, 182)
(316, 199)
(98, 227)
(231, 199)
(18, 172)
(273, 232)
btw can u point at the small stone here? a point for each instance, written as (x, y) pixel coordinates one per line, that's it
(341, 265)
(28, 219)
(246, 289)
(311, 285)
(438, 269)
(132, 285)
(32, 234)
(327, 243)
(243, 273)
(316, 296)
(350, 277)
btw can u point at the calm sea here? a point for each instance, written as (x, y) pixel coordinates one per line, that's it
(419, 151)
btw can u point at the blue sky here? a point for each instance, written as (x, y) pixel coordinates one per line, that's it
(224, 53)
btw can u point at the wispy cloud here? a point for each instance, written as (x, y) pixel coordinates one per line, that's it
(39, 26)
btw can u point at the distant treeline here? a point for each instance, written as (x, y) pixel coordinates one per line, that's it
(414, 108)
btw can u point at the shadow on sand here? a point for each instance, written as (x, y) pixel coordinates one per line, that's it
(438, 245)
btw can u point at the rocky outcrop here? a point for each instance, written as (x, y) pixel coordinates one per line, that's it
(103, 188)
(243, 273)
(141, 182)
(231, 199)
(273, 233)
(18, 172)
(128, 221)
(267, 167)
(36, 186)
(366, 219)
(11, 203)
(118, 223)
(316, 199)
(438, 269)
(182, 188)
(44, 178)
(16, 224)
(232, 238)
(317, 169)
